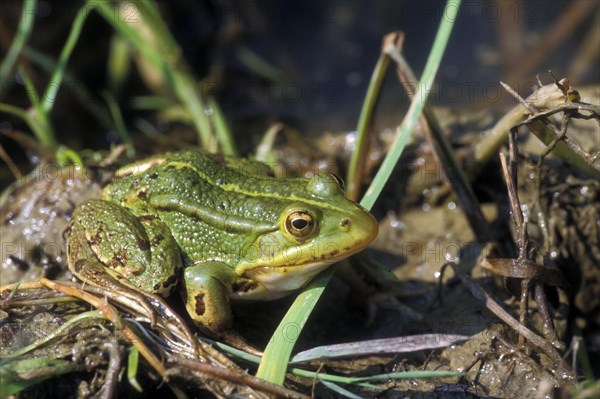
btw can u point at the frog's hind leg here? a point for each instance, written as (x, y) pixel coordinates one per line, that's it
(110, 247)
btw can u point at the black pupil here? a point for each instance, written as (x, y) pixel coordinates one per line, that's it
(299, 224)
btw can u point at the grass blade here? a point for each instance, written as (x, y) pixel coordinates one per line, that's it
(59, 71)
(416, 106)
(20, 39)
(274, 362)
(359, 154)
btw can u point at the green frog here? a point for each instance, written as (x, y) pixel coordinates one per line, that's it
(221, 226)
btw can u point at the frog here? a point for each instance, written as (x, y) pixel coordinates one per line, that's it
(217, 229)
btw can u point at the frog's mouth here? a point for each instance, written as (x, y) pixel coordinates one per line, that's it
(281, 275)
(276, 281)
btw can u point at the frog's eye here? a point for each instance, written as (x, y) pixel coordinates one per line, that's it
(300, 224)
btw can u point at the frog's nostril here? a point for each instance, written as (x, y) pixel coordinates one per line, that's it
(345, 224)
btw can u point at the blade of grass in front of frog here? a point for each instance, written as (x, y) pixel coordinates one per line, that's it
(274, 363)
(23, 32)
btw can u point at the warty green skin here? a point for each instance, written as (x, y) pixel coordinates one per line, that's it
(220, 220)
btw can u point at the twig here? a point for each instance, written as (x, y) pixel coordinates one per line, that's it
(111, 313)
(239, 377)
(443, 152)
(10, 163)
(113, 370)
(550, 100)
(510, 179)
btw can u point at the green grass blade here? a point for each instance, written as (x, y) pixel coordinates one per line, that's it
(84, 96)
(32, 93)
(416, 106)
(344, 379)
(275, 360)
(23, 32)
(364, 122)
(59, 71)
(94, 314)
(66, 156)
(119, 63)
(222, 129)
(260, 66)
(16, 111)
(132, 368)
(119, 123)
(38, 119)
(21, 374)
(340, 391)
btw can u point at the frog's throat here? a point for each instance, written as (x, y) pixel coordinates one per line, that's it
(275, 282)
(280, 275)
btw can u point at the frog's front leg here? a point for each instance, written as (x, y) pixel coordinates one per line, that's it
(110, 247)
(207, 296)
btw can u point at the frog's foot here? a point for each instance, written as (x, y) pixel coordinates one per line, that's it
(117, 287)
